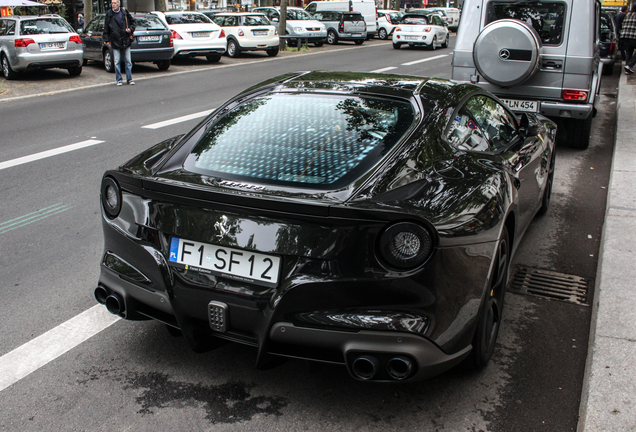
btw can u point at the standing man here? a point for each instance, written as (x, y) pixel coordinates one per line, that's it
(619, 25)
(118, 33)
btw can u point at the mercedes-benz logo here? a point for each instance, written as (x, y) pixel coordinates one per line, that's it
(504, 54)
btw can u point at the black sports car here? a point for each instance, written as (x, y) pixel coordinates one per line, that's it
(354, 218)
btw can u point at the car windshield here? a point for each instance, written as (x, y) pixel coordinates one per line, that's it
(317, 140)
(545, 17)
(45, 26)
(256, 20)
(187, 18)
(298, 14)
(148, 22)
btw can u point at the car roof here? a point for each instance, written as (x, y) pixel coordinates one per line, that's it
(343, 12)
(27, 17)
(239, 13)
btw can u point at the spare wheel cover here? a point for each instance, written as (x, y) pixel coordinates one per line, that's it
(506, 52)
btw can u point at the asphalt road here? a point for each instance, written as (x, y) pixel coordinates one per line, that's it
(134, 376)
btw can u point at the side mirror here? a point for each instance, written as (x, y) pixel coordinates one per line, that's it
(274, 19)
(525, 128)
(79, 31)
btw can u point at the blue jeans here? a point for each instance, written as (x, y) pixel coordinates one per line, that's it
(117, 61)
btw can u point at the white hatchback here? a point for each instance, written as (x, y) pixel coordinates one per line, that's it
(194, 35)
(387, 21)
(247, 31)
(421, 30)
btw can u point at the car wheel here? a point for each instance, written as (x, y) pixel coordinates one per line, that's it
(490, 314)
(332, 38)
(318, 44)
(578, 132)
(108, 62)
(359, 42)
(291, 42)
(446, 41)
(547, 193)
(213, 58)
(434, 43)
(84, 62)
(396, 45)
(382, 34)
(233, 49)
(6, 69)
(75, 71)
(273, 52)
(163, 64)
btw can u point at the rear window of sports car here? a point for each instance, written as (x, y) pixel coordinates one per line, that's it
(317, 140)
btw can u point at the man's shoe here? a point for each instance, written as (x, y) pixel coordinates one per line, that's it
(131, 83)
(629, 70)
(119, 83)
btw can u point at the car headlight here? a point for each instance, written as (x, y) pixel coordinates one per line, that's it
(406, 245)
(111, 197)
(299, 29)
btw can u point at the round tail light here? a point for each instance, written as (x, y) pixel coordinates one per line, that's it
(406, 245)
(111, 197)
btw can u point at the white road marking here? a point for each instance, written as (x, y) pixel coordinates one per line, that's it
(36, 353)
(178, 120)
(48, 153)
(424, 60)
(385, 69)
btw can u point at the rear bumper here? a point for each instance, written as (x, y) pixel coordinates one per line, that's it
(150, 55)
(565, 110)
(63, 59)
(198, 52)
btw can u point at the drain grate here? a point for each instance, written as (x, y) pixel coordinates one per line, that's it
(550, 285)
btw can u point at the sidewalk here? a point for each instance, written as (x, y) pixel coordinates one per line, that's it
(608, 402)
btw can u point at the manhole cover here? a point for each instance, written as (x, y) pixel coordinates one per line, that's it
(550, 285)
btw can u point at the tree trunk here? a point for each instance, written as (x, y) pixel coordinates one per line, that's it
(282, 23)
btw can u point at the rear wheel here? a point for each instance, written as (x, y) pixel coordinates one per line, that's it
(332, 37)
(490, 314)
(233, 48)
(396, 45)
(213, 58)
(273, 52)
(578, 132)
(359, 42)
(108, 62)
(318, 44)
(6, 69)
(75, 71)
(382, 34)
(84, 62)
(163, 64)
(446, 41)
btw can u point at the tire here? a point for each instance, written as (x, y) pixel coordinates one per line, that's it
(332, 37)
(233, 49)
(578, 133)
(84, 62)
(163, 64)
(213, 58)
(273, 52)
(382, 34)
(547, 193)
(6, 69)
(108, 62)
(434, 43)
(446, 41)
(396, 45)
(75, 71)
(291, 42)
(359, 42)
(490, 313)
(318, 44)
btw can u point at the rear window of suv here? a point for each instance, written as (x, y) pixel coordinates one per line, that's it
(314, 140)
(45, 26)
(545, 17)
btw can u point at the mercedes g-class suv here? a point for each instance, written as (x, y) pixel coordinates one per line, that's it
(538, 56)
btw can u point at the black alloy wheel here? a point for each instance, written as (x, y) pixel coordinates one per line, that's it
(490, 314)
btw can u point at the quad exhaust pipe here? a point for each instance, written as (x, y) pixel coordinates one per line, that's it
(382, 367)
(399, 368)
(113, 301)
(365, 366)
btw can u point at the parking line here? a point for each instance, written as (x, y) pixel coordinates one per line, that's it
(384, 69)
(178, 120)
(45, 348)
(424, 60)
(48, 153)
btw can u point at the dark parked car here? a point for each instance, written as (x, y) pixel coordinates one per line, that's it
(353, 218)
(609, 43)
(152, 43)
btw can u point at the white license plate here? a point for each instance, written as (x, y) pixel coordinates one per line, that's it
(51, 45)
(522, 105)
(260, 33)
(233, 263)
(411, 38)
(201, 34)
(149, 38)
(356, 34)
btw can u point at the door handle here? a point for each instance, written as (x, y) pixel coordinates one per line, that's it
(517, 183)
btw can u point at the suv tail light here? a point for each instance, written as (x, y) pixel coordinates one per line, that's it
(341, 27)
(175, 35)
(23, 42)
(578, 95)
(613, 47)
(75, 39)
(222, 35)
